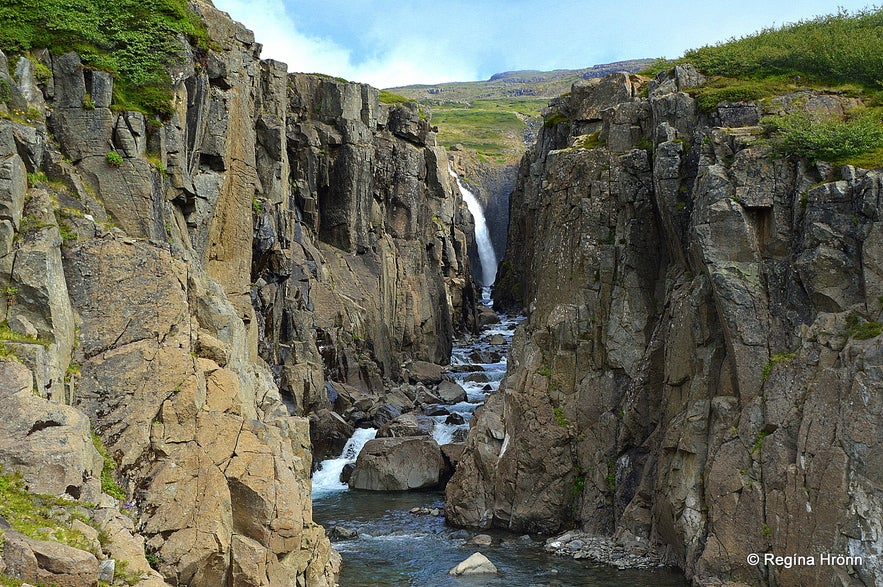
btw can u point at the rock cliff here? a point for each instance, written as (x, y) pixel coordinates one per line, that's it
(701, 370)
(188, 285)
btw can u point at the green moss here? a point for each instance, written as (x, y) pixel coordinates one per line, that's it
(765, 531)
(590, 141)
(610, 478)
(579, 485)
(775, 360)
(866, 330)
(758, 444)
(554, 119)
(256, 206)
(135, 40)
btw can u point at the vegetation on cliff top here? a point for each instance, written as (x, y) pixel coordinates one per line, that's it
(840, 52)
(135, 40)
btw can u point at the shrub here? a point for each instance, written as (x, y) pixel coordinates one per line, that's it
(114, 159)
(827, 138)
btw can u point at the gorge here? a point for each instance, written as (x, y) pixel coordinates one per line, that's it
(204, 301)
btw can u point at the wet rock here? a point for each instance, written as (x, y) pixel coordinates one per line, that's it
(398, 464)
(407, 425)
(450, 392)
(436, 411)
(347, 472)
(497, 339)
(477, 564)
(341, 533)
(455, 419)
(480, 540)
(425, 373)
(329, 433)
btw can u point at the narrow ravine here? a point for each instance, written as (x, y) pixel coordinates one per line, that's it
(402, 539)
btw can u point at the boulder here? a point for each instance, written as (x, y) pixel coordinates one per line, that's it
(406, 425)
(47, 562)
(477, 564)
(398, 464)
(450, 392)
(425, 373)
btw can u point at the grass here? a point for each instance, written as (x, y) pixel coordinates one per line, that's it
(135, 40)
(7, 334)
(34, 515)
(860, 329)
(559, 417)
(387, 97)
(494, 128)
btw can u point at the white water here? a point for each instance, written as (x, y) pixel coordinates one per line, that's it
(327, 479)
(486, 254)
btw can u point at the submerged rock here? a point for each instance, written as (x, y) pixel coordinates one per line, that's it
(477, 564)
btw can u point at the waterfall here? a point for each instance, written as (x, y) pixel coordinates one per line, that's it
(486, 255)
(327, 478)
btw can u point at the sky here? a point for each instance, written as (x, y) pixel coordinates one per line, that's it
(389, 43)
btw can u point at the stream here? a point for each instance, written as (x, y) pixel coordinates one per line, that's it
(396, 547)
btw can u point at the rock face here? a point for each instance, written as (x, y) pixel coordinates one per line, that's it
(277, 236)
(398, 464)
(701, 367)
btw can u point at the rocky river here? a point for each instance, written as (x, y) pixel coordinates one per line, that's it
(401, 538)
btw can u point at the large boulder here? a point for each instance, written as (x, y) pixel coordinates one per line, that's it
(408, 424)
(47, 562)
(398, 464)
(451, 392)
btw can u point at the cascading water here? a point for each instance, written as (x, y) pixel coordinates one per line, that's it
(327, 479)
(486, 255)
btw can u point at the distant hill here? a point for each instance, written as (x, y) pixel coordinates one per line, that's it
(498, 117)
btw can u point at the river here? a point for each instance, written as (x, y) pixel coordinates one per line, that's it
(398, 548)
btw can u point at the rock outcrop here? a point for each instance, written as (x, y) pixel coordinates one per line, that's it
(189, 289)
(701, 366)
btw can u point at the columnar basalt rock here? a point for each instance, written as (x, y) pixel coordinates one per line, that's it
(191, 284)
(701, 367)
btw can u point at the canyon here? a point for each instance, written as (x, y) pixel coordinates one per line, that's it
(198, 306)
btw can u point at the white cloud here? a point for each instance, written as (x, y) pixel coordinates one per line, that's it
(406, 61)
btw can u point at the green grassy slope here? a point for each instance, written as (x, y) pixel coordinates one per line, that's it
(498, 117)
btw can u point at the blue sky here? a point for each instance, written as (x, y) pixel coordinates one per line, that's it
(388, 43)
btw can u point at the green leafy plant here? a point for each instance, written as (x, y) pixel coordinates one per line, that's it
(559, 417)
(256, 206)
(758, 444)
(114, 159)
(827, 138)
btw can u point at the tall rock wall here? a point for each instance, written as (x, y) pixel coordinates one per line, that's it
(701, 367)
(193, 292)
